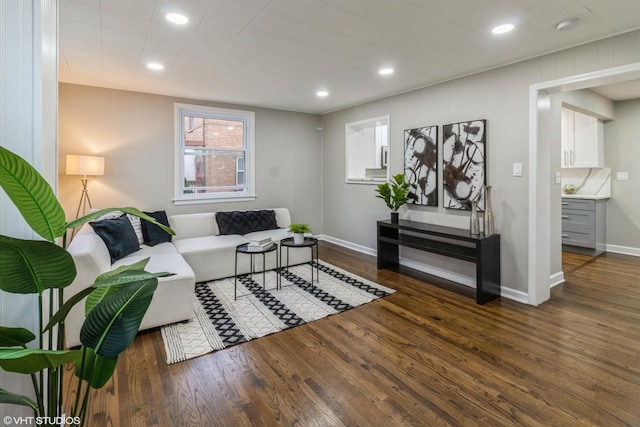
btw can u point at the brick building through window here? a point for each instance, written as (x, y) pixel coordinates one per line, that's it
(214, 153)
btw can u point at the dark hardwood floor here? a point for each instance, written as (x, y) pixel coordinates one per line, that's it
(425, 356)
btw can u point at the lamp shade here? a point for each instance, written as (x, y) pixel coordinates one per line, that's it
(85, 165)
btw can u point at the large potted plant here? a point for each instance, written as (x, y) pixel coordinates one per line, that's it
(115, 303)
(395, 194)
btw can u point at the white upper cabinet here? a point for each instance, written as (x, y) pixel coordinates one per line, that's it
(582, 140)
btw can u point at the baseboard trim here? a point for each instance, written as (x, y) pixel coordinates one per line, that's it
(348, 245)
(515, 295)
(624, 250)
(512, 294)
(556, 279)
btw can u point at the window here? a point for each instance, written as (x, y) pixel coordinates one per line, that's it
(214, 154)
(240, 171)
(367, 144)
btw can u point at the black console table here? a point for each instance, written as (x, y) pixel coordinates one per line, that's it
(447, 241)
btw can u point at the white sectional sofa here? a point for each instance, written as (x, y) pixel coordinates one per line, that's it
(197, 253)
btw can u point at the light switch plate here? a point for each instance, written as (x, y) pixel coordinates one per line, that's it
(558, 178)
(622, 176)
(517, 169)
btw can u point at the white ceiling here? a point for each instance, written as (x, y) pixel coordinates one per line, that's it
(620, 91)
(278, 53)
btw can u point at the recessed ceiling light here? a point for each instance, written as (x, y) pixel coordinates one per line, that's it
(322, 93)
(385, 71)
(501, 29)
(177, 18)
(230, 128)
(155, 66)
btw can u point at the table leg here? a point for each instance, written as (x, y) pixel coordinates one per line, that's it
(264, 268)
(311, 247)
(235, 279)
(317, 262)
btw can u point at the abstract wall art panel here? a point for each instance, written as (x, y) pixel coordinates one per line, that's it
(421, 165)
(463, 155)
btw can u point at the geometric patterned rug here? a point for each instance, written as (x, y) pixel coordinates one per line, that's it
(221, 322)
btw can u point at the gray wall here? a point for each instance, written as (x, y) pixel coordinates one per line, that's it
(134, 132)
(501, 96)
(622, 154)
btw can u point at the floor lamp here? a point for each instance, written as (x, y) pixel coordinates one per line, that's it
(84, 166)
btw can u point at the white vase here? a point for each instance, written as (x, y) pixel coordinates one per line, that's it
(298, 238)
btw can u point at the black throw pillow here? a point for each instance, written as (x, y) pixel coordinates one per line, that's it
(119, 236)
(153, 234)
(243, 222)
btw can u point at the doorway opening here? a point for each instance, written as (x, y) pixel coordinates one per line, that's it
(540, 162)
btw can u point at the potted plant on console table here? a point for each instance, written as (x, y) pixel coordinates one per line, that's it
(394, 194)
(298, 231)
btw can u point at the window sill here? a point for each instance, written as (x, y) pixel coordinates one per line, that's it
(209, 200)
(365, 181)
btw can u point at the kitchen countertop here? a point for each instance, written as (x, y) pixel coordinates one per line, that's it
(584, 196)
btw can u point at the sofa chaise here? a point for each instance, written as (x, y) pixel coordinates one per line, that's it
(202, 249)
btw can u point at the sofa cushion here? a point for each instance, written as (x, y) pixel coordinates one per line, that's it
(243, 222)
(211, 257)
(275, 235)
(153, 234)
(209, 244)
(118, 235)
(135, 222)
(160, 248)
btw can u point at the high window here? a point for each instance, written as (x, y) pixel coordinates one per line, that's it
(214, 154)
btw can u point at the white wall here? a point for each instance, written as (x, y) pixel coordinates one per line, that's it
(27, 33)
(134, 132)
(502, 97)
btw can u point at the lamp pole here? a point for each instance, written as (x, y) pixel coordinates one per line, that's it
(84, 198)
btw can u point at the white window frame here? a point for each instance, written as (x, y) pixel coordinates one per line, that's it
(240, 170)
(248, 118)
(379, 138)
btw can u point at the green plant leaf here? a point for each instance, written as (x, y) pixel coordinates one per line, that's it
(139, 265)
(32, 360)
(394, 193)
(105, 280)
(113, 324)
(106, 286)
(32, 195)
(62, 313)
(97, 369)
(15, 337)
(132, 211)
(384, 193)
(299, 228)
(31, 266)
(16, 399)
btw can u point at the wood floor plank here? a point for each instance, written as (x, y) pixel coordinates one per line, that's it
(426, 355)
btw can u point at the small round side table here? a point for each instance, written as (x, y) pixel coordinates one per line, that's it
(309, 242)
(255, 250)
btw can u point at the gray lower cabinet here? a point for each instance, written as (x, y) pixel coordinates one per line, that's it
(584, 226)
